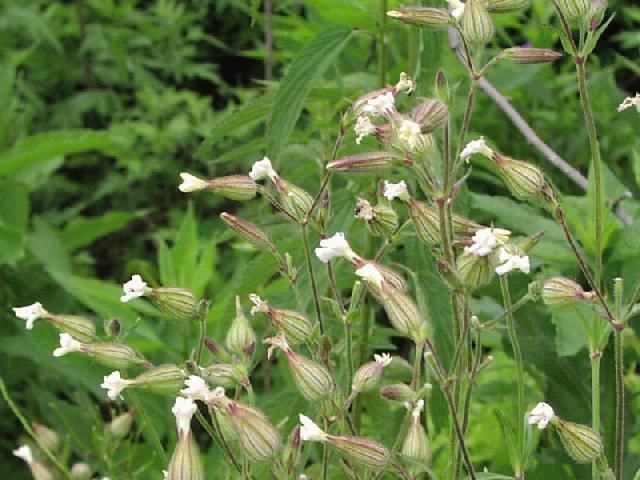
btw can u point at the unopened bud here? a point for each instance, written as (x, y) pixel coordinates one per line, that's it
(113, 355)
(78, 327)
(81, 471)
(575, 11)
(369, 375)
(241, 338)
(531, 241)
(48, 437)
(295, 201)
(250, 232)
(217, 350)
(449, 275)
(442, 87)
(362, 163)
(113, 327)
(438, 18)
(367, 453)
(121, 425)
(506, 5)
(426, 221)
(404, 315)
(258, 438)
(582, 443)
(416, 443)
(562, 291)
(476, 22)
(430, 115)
(224, 375)
(177, 302)
(530, 55)
(398, 392)
(295, 327)
(523, 180)
(185, 463)
(163, 379)
(234, 187)
(474, 271)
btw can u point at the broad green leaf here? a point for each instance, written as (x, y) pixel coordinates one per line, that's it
(304, 72)
(186, 247)
(14, 204)
(570, 331)
(11, 243)
(83, 231)
(45, 244)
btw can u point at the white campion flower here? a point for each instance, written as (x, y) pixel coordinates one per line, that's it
(418, 408)
(114, 384)
(24, 452)
(363, 128)
(30, 313)
(68, 344)
(134, 288)
(485, 240)
(309, 431)
(541, 415)
(630, 102)
(457, 8)
(262, 169)
(259, 305)
(396, 190)
(476, 146)
(336, 246)
(383, 104)
(197, 388)
(405, 84)
(364, 209)
(191, 183)
(384, 359)
(512, 262)
(410, 133)
(370, 273)
(183, 409)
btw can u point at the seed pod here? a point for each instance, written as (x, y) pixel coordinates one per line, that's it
(426, 221)
(241, 339)
(295, 201)
(398, 392)
(523, 180)
(120, 426)
(506, 5)
(582, 443)
(437, 18)
(258, 438)
(81, 471)
(164, 379)
(404, 315)
(113, 355)
(474, 271)
(381, 220)
(78, 327)
(362, 163)
(430, 115)
(185, 463)
(234, 187)
(223, 374)
(575, 11)
(296, 327)
(476, 23)
(368, 453)
(416, 443)
(369, 375)
(530, 55)
(562, 291)
(177, 302)
(48, 437)
(250, 232)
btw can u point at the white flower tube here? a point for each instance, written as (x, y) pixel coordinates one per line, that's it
(114, 384)
(134, 288)
(191, 183)
(512, 262)
(336, 246)
(68, 344)
(183, 409)
(309, 431)
(30, 313)
(541, 415)
(396, 190)
(262, 169)
(476, 146)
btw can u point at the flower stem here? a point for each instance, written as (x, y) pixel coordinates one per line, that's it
(619, 350)
(596, 357)
(203, 334)
(382, 43)
(314, 287)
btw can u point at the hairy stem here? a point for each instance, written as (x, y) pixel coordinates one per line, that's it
(619, 358)
(382, 43)
(314, 286)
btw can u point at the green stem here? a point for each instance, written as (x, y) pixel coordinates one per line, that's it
(314, 287)
(514, 307)
(348, 332)
(417, 367)
(155, 438)
(27, 428)
(203, 334)
(466, 120)
(382, 42)
(596, 357)
(619, 351)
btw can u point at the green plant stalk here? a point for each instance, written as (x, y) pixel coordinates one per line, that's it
(596, 357)
(619, 359)
(27, 428)
(466, 120)
(514, 307)
(314, 286)
(348, 333)
(517, 355)
(203, 333)
(155, 438)
(417, 367)
(382, 42)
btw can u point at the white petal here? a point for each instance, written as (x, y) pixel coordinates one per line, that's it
(183, 409)
(310, 432)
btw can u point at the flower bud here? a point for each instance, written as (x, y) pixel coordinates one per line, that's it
(530, 55)
(113, 327)
(78, 327)
(113, 355)
(398, 392)
(562, 291)
(362, 163)
(582, 443)
(426, 221)
(367, 453)
(430, 115)
(476, 22)
(258, 438)
(241, 339)
(48, 437)
(416, 443)
(506, 5)
(177, 302)
(381, 220)
(224, 375)
(368, 375)
(217, 350)
(185, 463)
(404, 315)
(295, 327)
(523, 180)
(120, 426)
(163, 379)
(234, 187)
(438, 18)
(295, 201)
(473, 270)
(250, 232)
(81, 471)
(575, 11)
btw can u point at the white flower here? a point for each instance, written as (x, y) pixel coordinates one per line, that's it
(410, 133)
(405, 84)
(165, 474)
(67, 344)
(262, 169)
(541, 415)
(512, 262)
(24, 452)
(197, 388)
(336, 246)
(30, 313)
(310, 432)
(396, 190)
(370, 274)
(191, 183)
(476, 146)
(457, 8)
(630, 102)
(260, 306)
(384, 359)
(183, 409)
(418, 408)
(485, 240)
(114, 384)
(383, 104)
(134, 288)
(364, 209)
(363, 128)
